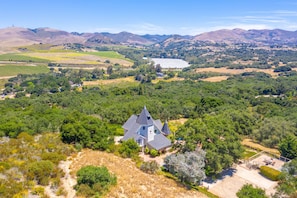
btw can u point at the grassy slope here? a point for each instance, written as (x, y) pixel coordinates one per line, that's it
(12, 70)
(132, 182)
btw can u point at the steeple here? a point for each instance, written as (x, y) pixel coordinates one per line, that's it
(144, 117)
(165, 128)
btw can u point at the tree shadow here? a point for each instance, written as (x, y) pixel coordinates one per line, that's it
(225, 173)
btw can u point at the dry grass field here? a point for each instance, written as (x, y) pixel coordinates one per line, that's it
(225, 70)
(119, 82)
(254, 145)
(132, 182)
(215, 78)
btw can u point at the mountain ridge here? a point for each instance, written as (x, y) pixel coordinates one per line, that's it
(18, 36)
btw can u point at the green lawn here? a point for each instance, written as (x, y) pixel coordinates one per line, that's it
(21, 58)
(248, 153)
(12, 70)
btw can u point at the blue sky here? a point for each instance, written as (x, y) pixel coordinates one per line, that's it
(190, 17)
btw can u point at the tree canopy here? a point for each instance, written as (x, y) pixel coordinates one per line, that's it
(188, 166)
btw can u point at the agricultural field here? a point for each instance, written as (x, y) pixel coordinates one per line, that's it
(88, 58)
(13, 57)
(12, 70)
(46, 53)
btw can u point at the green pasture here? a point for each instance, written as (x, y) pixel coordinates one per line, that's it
(21, 58)
(12, 70)
(44, 48)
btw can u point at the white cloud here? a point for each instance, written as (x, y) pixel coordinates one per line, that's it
(281, 19)
(145, 28)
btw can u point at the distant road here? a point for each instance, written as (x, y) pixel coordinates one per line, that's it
(6, 77)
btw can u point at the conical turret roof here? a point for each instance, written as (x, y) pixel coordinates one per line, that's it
(144, 118)
(165, 128)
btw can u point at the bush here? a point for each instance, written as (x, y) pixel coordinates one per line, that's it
(270, 173)
(91, 179)
(150, 167)
(38, 191)
(282, 69)
(147, 150)
(154, 152)
(53, 157)
(248, 191)
(129, 148)
(40, 171)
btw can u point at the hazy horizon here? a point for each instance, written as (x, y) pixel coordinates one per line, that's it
(189, 17)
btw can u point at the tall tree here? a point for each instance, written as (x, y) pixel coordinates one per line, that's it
(188, 166)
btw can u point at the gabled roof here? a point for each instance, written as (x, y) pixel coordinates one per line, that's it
(144, 117)
(160, 142)
(131, 133)
(130, 122)
(165, 128)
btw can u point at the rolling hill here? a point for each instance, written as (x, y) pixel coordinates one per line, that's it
(18, 36)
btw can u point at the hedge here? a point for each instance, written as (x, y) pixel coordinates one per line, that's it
(270, 173)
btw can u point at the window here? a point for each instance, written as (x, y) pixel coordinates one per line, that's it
(143, 128)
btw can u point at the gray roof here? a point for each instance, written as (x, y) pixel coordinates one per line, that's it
(133, 124)
(144, 117)
(160, 142)
(165, 128)
(131, 133)
(130, 122)
(158, 124)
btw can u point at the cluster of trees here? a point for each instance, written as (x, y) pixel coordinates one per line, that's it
(220, 114)
(217, 136)
(86, 131)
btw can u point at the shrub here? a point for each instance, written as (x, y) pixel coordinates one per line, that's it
(147, 150)
(270, 173)
(40, 171)
(154, 152)
(248, 191)
(53, 157)
(38, 191)
(282, 69)
(129, 148)
(91, 179)
(149, 167)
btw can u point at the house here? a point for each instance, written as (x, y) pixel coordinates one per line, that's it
(146, 131)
